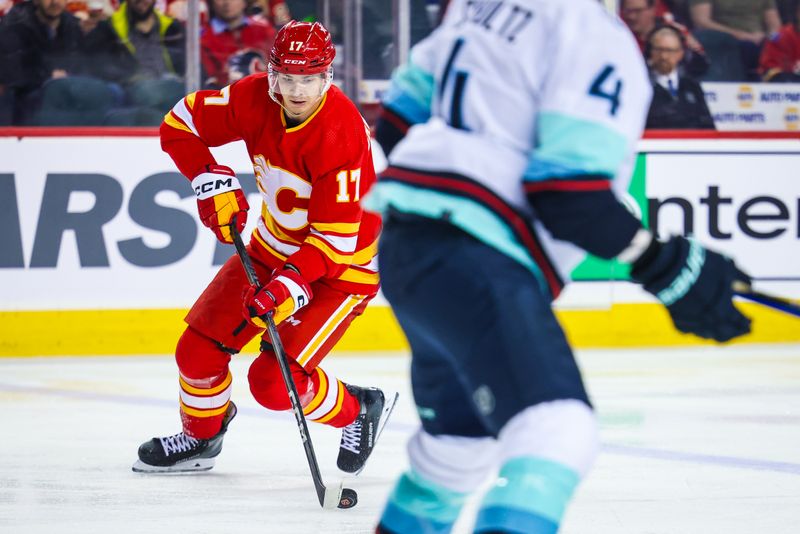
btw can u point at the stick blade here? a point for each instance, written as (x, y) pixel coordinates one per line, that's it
(333, 496)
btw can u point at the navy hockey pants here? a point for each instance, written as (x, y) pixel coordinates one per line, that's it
(485, 343)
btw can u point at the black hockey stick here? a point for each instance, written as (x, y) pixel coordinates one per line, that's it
(777, 303)
(328, 497)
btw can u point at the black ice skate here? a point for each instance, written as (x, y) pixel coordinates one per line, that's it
(181, 453)
(360, 436)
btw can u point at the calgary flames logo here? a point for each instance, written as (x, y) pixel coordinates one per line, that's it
(285, 194)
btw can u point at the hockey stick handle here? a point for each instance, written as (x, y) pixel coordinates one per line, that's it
(777, 303)
(280, 354)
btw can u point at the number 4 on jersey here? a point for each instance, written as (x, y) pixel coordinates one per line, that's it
(606, 86)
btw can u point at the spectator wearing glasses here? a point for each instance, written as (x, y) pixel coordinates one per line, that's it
(678, 100)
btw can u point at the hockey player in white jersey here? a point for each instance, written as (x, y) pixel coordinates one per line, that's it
(507, 134)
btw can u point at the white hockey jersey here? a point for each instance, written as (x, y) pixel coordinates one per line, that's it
(507, 96)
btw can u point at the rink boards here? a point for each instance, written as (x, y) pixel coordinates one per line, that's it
(101, 250)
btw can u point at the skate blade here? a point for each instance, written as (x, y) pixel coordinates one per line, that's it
(197, 465)
(388, 408)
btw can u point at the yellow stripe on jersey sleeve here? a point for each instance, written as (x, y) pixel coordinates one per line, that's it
(170, 119)
(363, 256)
(190, 100)
(325, 247)
(358, 277)
(339, 228)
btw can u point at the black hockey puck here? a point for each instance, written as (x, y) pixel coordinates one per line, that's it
(348, 499)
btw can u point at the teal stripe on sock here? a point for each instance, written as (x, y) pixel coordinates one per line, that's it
(512, 521)
(398, 521)
(426, 500)
(534, 486)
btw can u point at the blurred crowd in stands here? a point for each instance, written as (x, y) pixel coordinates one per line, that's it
(94, 62)
(689, 41)
(123, 63)
(102, 62)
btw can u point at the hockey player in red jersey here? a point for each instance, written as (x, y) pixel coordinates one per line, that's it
(315, 247)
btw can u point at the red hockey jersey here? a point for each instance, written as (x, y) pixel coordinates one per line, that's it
(781, 53)
(218, 43)
(311, 176)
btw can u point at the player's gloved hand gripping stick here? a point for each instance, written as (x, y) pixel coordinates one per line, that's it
(696, 286)
(328, 497)
(286, 293)
(220, 200)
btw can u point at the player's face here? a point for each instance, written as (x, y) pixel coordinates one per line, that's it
(142, 7)
(639, 15)
(301, 93)
(51, 9)
(229, 10)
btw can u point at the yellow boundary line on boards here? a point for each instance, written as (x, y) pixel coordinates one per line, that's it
(121, 332)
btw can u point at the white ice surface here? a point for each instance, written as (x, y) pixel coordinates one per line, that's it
(695, 441)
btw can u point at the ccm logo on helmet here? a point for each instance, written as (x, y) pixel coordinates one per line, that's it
(213, 185)
(295, 61)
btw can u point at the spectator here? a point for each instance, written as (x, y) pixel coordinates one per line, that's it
(742, 24)
(144, 50)
(377, 37)
(274, 11)
(5, 6)
(230, 32)
(40, 56)
(179, 10)
(90, 12)
(786, 9)
(96, 10)
(679, 10)
(642, 17)
(378, 47)
(155, 40)
(678, 100)
(780, 58)
(108, 58)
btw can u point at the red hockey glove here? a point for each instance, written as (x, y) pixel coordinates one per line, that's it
(286, 293)
(220, 200)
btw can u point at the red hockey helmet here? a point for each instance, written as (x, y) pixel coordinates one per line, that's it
(302, 48)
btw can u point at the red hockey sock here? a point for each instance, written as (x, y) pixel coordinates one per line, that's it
(332, 404)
